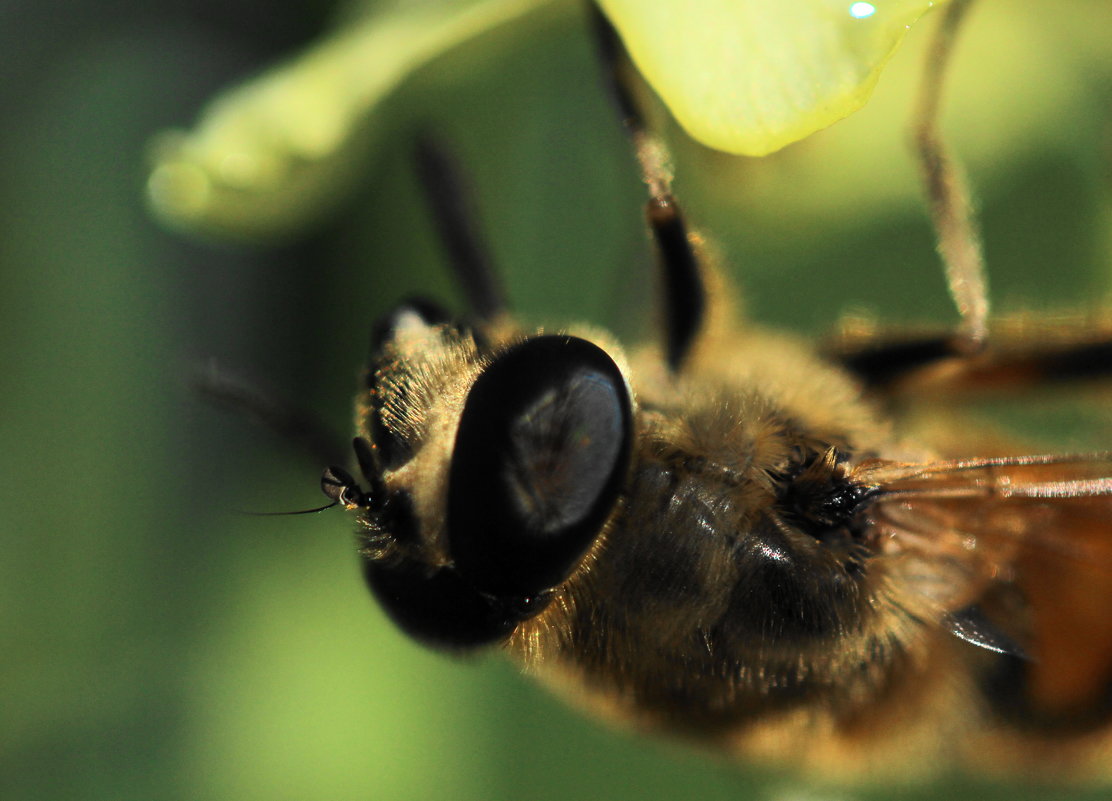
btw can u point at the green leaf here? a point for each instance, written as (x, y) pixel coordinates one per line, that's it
(277, 152)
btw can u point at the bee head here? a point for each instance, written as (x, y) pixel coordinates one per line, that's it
(492, 470)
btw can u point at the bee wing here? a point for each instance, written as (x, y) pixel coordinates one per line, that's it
(1042, 524)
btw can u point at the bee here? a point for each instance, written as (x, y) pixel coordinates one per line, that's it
(725, 535)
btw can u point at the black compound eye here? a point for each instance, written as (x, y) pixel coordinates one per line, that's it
(541, 452)
(441, 609)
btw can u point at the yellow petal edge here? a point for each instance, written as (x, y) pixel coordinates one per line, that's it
(752, 76)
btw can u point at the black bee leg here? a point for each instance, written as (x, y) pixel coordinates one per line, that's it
(882, 361)
(295, 426)
(1022, 356)
(682, 284)
(959, 242)
(445, 191)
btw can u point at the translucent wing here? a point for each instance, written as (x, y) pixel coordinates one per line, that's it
(1039, 524)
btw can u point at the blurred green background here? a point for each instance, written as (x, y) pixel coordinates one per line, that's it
(158, 645)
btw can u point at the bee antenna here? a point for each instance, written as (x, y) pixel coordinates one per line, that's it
(339, 485)
(282, 514)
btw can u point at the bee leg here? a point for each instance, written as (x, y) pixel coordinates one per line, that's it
(959, 242)
(296, 426)
(1020, 357)
(445, 192)
(682, 280)
(881, 362)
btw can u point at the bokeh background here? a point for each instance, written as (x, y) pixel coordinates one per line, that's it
(156, 644)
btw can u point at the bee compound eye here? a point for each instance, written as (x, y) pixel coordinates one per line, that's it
(540, 455)
(436, 605)
(441, 609)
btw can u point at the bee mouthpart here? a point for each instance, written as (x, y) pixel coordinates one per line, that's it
(339, 485)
